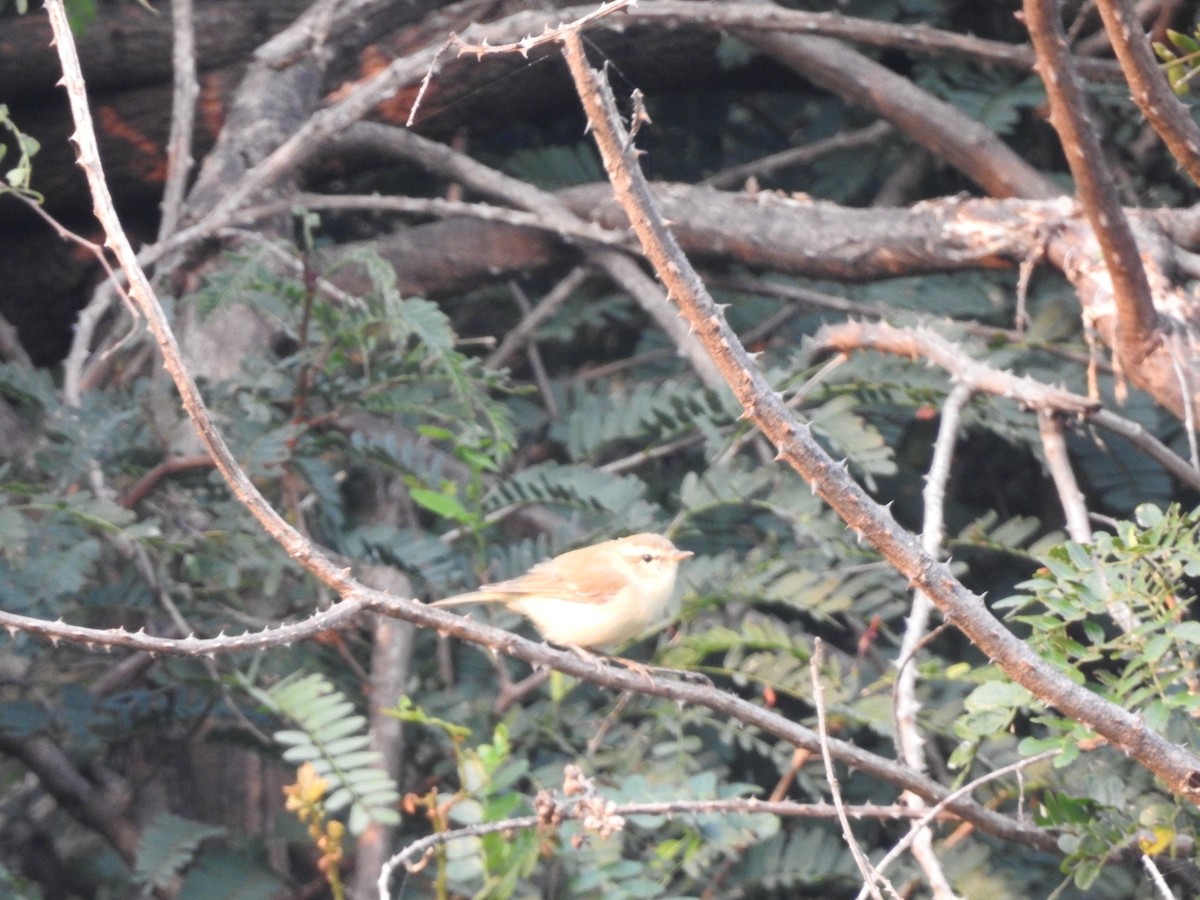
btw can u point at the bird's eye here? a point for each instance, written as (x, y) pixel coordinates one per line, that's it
(647, 557)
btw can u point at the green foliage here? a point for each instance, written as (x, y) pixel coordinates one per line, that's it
(993, 98)
(552, 168)
(577, 487)
(648, 414)
(167, 846)
(490, 778)
(791, 861)
(18, 178)
(230, 875)
(1181, 60)
(1141, 571)
(334, 739)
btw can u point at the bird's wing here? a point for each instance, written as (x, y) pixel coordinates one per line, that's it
(578, 576)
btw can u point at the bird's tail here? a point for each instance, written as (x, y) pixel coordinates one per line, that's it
(473, 597)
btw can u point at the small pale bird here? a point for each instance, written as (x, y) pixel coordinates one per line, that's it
(591, 597)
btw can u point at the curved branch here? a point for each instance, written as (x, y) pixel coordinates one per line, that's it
(1137, 319)
(937, 126)
(926, 344)
(917, 38)
(361, 599)
(143, 296)
(73, 792)
(1154, 97)
(447, 162)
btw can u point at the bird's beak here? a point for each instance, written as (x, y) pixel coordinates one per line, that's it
(682, 554)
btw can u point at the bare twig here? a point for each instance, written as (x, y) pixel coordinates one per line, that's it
(579, 231)
(870, 876)
(769, 17)
(936, 125)
(1079, 525)
(934, 811)
(554, 212)
(183, 113)
(413, 855)
(798, 156)
(547, 307)
(143, 296)
(1156, 878)
(1069, 495)
(1154, 97)
(75, 793)
(615, 678)
(534, 355)
(910, 743)
(924, 343)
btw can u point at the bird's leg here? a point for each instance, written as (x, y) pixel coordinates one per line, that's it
(586, 655)
(601, 661)
(634, 666)
(679, 674)
(647, 672)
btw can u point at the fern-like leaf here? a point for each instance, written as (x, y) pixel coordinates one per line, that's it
(648, 413)
(334, 739)
(227, 874)
(167, 845)
(576, 487)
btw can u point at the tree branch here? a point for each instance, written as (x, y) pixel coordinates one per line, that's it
(934, 124)
(796, 446)
(918, 38)
(1154, 97)
(83, 800)
(1137, 319)
(924, 343)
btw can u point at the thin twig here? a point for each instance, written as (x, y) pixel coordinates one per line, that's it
(534, 356)
(799, 156)
(936, 809)
(910, 743)
(143, 296)
(926, 344)
(530, 322)
(579, 231)
(555, 214)
(870, 876)
(1058, 462)
(1156, 878)
(1074, 505)
(917, 38)
(183, 115)
(412, 856)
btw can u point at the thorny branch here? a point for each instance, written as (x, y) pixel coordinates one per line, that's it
(794, 442)
(1137, 319)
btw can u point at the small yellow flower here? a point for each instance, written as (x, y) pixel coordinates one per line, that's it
(306, 792)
